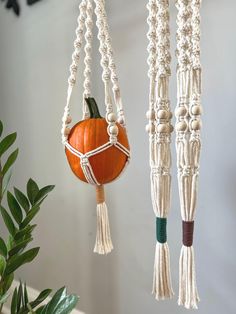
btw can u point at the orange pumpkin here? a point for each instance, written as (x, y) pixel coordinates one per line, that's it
(90, 134)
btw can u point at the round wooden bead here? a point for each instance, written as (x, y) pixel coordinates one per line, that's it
(171, 128)
(120, 120)
(150, 114)
(111, 117)
(67, 131)
(180, 111)
(196, 125)
(113, 130)
(181, 126)
(196, 110)
(162, 114)
(150, 128)
(163, 128)
(68, 119)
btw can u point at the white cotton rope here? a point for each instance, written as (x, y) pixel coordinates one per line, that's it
(188, 143)
(159, 129)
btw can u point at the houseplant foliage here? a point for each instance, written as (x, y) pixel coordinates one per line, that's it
(18, 216)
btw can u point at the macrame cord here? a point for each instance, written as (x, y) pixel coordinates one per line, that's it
(103, 243)
(188, 143)
(159, 129)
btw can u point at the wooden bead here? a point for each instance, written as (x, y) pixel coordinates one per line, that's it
(150, 128)
(150, 115)
(68, 119)
(180, 111)
(171, 128)
(170, 115)
(113, 130)
(181, 126)
(111, 117)
(196, 110)
(162, 114)
(120, 120)
(196, 125)
(67, 131)
(163, 128)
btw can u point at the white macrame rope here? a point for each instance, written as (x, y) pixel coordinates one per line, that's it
(84, 159)
(74, 66)
(159, 128)
(188, 143)
(88, 57)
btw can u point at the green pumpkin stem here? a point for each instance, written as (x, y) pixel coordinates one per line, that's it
(93, 108)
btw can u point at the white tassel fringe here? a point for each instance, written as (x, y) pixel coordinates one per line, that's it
(188, 294)
(162, 287)
(103, 243)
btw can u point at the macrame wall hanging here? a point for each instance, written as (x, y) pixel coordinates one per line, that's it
(97, 148)
(188, 143)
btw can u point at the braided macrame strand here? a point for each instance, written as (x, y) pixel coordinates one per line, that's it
(66, 119)
(88, 58)
(159, 129)
(188, 143)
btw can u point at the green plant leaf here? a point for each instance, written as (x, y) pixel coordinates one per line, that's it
(8, 282)
(3, 248)
(22, 199)
(21, 245)
(40, 310)
(4, 298)
(30, 215)
(20, 260)
(41, 297)
(7, 142)
(19, 297)
(23, 233)
(32, 190)
(6, 180)
(8, 221)
(1, 128)
(2, 264)
(43, 192)
(10, 161)
(26, 298)
(56, 299)
(14, 207)
(14, 302)
(10, 242)
(67, 305)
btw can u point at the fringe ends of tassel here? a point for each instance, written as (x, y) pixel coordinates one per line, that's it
(162, 286)
(103, 244)
(188, 294)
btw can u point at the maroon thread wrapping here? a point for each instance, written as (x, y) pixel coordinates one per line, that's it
(188, 227)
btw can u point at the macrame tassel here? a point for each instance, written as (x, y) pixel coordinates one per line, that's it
(103, 243)
(162, 287)
(188, 294)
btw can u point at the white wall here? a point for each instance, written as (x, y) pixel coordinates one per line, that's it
(34, 59)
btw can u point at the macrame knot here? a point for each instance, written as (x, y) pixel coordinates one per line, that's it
(188, 228)
(161, 234)
(84, 161)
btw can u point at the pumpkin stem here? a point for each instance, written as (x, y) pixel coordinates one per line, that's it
(93, 108)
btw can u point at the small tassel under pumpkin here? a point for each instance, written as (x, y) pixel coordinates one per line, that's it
(103, 243)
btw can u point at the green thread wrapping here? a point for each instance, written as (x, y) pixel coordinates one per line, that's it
(161, 229)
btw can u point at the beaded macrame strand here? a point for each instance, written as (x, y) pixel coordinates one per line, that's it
(103, 243)
(159, 129)
(188, 142)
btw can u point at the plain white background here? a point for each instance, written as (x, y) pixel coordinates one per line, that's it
(35, 53)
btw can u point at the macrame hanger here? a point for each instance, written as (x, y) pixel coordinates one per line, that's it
(188, 143)
(159, 129)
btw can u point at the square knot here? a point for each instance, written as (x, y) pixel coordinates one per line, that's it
(84, 161)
